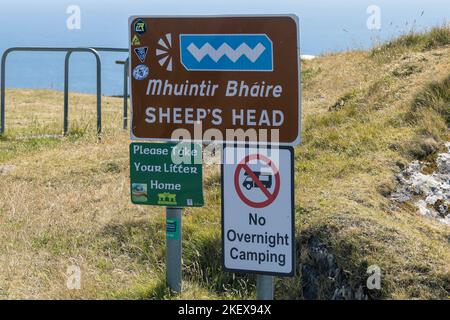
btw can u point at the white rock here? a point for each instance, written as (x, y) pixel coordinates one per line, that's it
(424, 210)
(431, 199)
(443, 163)
(431, 188)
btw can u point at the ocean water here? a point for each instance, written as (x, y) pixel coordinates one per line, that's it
(325, 26)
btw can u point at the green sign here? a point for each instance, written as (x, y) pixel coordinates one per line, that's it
(173, 229)
(166, 174)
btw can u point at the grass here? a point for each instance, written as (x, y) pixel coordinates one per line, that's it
(65, 201)
(436, 96)
(416, 41)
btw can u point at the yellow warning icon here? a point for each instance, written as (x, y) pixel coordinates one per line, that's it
(136, 41)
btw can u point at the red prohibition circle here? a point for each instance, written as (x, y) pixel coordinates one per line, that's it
(270, 196)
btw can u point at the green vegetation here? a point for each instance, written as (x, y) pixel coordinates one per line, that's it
(417, 41)
(65, 201)
(436, 96)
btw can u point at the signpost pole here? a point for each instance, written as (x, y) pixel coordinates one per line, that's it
(173, 248)
(264, 287)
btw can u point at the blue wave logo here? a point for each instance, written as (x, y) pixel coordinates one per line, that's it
(226, 52)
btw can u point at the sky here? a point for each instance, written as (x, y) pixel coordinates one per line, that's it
(325, 26)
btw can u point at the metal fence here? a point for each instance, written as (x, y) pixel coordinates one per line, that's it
(125, 80)
(93, 50)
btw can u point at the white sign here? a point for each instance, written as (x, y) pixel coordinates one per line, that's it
(258, 210)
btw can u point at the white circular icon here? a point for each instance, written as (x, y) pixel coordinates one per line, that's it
(140, 72)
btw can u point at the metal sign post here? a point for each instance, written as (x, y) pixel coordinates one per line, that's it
(264, 287)
(173, 248)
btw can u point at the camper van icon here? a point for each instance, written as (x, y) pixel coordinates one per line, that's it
(265, 178)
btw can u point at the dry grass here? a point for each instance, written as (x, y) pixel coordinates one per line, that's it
(65, 201)
(38, 112)
(414, 41)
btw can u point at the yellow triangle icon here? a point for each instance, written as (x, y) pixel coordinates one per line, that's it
(136, 41)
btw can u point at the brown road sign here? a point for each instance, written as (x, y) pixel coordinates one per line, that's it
(240, 72)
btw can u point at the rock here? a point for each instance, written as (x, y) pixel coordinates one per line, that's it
(441, 207)
(443, 162)
(422, 184)
(430, 192)
(323, 278)
(7, 169)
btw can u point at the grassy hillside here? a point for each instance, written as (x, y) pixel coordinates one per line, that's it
(366, 114)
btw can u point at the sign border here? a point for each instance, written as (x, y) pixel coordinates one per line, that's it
(293, 269)
(297, 141)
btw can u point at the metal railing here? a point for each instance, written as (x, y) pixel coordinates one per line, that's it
(93, 50)
(125, 80)
(66, 88)
(126, 65)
